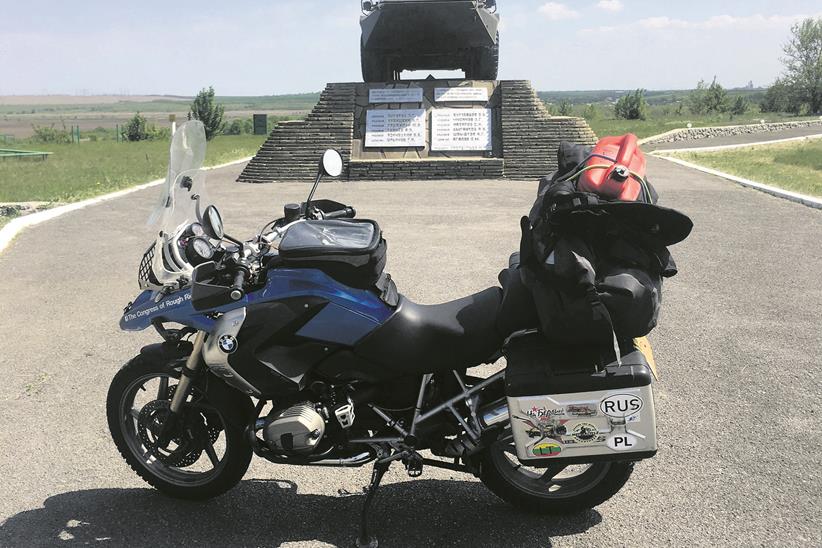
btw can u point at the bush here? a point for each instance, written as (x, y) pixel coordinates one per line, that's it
(708, 99)
(136, 129)
(239, 127)
(204, 109)
(781, 97)
(591, 112)
(740, 106)
(632, 106)
(51, 135)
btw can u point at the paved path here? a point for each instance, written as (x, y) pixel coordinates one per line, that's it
(737, 139)
(739, 347)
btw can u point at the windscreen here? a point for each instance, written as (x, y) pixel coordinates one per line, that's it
(183, 197)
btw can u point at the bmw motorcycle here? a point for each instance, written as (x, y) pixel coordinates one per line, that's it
(295, 346)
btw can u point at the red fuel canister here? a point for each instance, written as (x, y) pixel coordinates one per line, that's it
(611, 166)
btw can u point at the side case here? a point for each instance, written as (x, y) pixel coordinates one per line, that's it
(568, 404)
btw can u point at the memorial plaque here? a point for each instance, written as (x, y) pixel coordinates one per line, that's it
(395, 128)
(455, 129)
(395, 95)
(460, 94)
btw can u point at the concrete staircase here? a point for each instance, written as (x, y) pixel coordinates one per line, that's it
(531, 136)
(293, 149)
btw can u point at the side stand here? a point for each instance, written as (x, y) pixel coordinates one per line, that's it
(364, 540)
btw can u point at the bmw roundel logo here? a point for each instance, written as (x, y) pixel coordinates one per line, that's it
(227, 344)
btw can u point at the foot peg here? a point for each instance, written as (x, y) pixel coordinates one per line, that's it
(413, 465)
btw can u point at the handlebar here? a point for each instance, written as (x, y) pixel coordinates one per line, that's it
(347, 213)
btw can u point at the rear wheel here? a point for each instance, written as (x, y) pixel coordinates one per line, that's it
(207, 454)
(554, 490)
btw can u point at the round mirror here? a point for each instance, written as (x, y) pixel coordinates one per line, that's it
(213, 223)
(332, 163)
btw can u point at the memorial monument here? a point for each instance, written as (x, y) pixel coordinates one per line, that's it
(421, 129)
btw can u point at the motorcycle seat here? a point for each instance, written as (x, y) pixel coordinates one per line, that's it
(428, 338)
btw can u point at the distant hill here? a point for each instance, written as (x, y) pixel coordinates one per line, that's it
(654, 97)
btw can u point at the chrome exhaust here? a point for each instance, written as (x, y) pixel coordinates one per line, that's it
(494, 413)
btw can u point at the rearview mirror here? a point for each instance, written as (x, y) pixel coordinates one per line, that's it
(331, 163)
(213, 223)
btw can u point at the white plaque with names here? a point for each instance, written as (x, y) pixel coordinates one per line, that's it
(395, 128)
(460, 94)
(454, 129)
(395, 95)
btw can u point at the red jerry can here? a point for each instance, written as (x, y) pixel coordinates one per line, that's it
(614, 166)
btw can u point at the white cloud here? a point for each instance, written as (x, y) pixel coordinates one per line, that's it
(555, 11)
(610, 5)
(716, 22)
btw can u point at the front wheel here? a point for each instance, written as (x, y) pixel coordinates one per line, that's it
(554, 490)
(208, 453)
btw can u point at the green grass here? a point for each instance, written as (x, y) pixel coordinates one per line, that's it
(655, 125)
(792, 166)
(76, 172)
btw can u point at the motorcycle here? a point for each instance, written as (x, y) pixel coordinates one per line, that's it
(295, 346)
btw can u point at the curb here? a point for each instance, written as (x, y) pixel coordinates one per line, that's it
(651, 139)
(661, 151)
(778, 192)
(15, 226)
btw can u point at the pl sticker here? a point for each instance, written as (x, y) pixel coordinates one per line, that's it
(621, 405)
(623, 442)
(548, 449)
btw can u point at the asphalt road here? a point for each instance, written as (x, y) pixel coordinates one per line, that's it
(737, 139)
(739, 349)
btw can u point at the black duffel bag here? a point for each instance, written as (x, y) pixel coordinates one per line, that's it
(595, 267)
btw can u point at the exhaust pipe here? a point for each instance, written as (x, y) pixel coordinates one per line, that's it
(494, 413)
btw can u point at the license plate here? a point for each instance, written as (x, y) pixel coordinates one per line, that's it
(644, 345)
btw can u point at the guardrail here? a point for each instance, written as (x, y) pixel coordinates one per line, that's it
(18, 154)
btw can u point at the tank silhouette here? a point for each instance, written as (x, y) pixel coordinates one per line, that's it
(402, 35)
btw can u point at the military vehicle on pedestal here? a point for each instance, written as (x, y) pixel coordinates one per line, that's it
(402, 35)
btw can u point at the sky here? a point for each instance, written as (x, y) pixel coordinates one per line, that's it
(247, 47)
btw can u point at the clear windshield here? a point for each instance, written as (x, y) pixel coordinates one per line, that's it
(183, 197)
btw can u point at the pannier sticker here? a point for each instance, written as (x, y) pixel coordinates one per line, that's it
(548, 449)
(621, 405)
(581, 410)
(585, 432)
(623, 442)
(545, 413)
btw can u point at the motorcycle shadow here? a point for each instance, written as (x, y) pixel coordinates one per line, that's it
(272, 512)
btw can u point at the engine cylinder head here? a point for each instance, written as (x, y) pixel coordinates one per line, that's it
(297, 429)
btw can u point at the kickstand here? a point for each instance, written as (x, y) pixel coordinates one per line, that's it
(364, 540)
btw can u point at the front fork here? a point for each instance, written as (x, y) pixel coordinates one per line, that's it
(192, 366)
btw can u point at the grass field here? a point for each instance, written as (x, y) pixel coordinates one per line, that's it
(657, 125)
(76, 172)
(792, 166)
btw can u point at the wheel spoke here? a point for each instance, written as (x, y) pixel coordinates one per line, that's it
(135, 413)
(162, 392)
(212, 454)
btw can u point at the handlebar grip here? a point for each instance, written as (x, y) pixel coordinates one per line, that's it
(347, 213)
(237, 291)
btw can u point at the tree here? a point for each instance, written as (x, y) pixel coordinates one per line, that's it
(803, 62)
(204, 109)
(565, 108)
(740, 106)
(781, 97)
(708, 99)
(716, 98)
(137, 129)
(632, 106)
